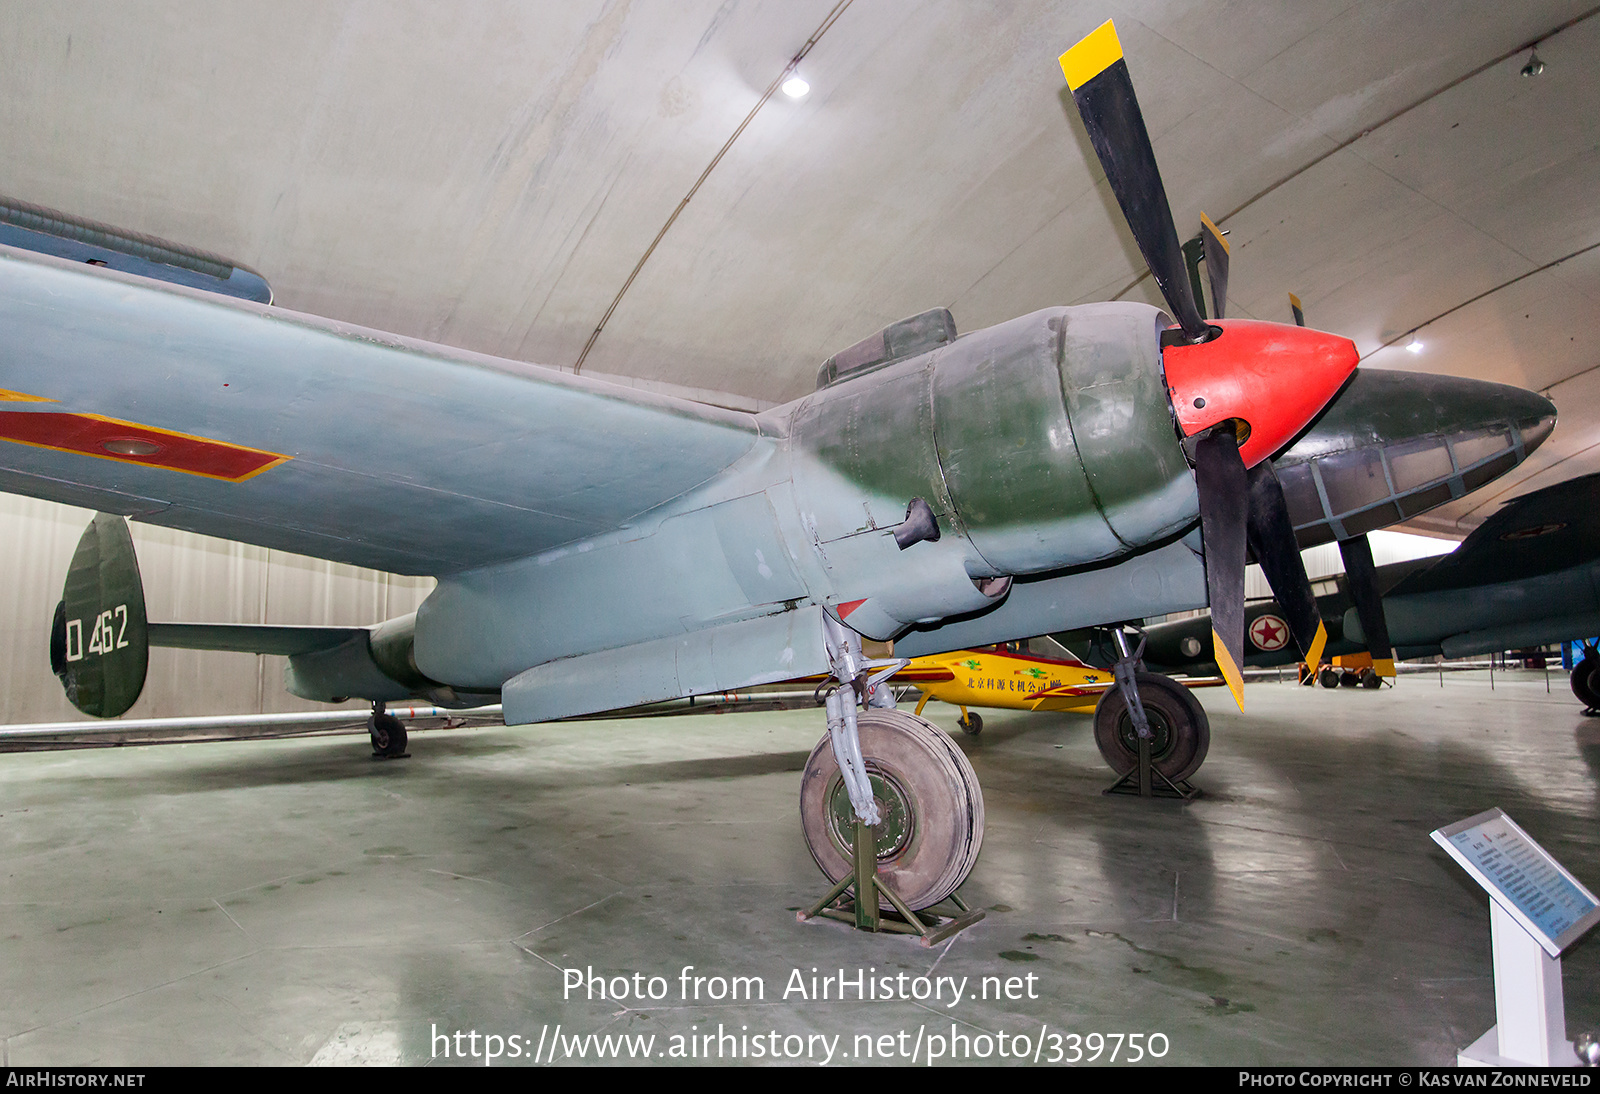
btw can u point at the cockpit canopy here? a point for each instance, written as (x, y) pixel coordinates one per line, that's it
(905, 338)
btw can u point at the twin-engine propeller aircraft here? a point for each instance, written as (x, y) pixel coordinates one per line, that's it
(597, 546)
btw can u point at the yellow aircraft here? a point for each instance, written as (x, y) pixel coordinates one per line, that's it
(1033, 674)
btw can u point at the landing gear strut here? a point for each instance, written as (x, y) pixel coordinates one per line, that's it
(1150, 729)
(890, 807)
(388, 734)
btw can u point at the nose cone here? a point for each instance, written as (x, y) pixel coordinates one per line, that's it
(1393, 445)
(1273, 377)
(1535, 421)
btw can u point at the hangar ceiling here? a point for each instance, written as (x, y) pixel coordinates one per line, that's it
(487, 175)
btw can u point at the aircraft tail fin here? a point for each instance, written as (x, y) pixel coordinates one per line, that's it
(99, 641)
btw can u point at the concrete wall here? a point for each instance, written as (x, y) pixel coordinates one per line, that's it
(187, 579)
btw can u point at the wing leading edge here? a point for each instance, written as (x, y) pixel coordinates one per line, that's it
(233, 419)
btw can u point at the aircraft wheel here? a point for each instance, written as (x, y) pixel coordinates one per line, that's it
(1370, 680)
(1181, 732)
(1349, 680)
(388, 735)
(1328, 678)
(927, 794)
(972, 724)
(1584, 681)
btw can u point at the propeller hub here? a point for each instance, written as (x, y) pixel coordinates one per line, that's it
(1272, 377)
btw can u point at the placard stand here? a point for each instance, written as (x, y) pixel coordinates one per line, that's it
(1529, 1008)
(1536, 910)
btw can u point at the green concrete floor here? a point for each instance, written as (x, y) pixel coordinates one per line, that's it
(293, 901)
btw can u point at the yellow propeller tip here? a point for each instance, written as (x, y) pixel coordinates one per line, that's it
(1217, 232)
(1094, 53)
(1230, 671)
(1314, 654)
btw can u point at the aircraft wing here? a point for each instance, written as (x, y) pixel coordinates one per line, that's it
(235, 419)
(1538, 533)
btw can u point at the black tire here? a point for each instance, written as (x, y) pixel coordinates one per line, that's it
(972, 724)
(1370, 679)
(1328, 677)
(928, 794)
(1584, 681)
(1349, 680)
(1182, 732)
(388, 735)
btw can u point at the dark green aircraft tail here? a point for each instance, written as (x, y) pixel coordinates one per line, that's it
(100, 641)
(101, 638)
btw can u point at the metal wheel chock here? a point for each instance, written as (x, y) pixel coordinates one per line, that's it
(1141, 779)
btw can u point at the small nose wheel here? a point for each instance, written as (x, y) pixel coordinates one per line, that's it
(388, 734)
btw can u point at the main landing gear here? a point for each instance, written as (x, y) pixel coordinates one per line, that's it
(388, 734)
(891, 809)
(1150, 729)
(1585, 684)
(1330, 677)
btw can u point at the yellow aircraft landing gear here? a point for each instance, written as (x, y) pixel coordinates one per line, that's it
(971, 724)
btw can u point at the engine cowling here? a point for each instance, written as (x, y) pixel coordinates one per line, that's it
(1038, 444)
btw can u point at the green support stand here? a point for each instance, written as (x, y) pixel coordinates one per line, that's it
(866, 915)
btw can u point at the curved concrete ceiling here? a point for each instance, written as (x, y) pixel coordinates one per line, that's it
(488, 174)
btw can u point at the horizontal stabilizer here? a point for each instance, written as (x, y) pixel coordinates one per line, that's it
(250, 637)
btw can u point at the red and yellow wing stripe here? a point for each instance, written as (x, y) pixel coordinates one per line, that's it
(130, 442)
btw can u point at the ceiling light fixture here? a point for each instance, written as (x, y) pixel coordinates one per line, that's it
(1415, 345)
(795, 87)
(1534, 65)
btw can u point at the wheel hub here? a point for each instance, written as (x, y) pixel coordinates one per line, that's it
(1161, 735)
(892, 834)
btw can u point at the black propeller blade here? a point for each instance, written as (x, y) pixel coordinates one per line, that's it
(1236, 507)
(1272, 542)
(1363, 578)
(1216, 253)
(1362, 575)
(1224, 518)
(1193, 252)
(1098, 78)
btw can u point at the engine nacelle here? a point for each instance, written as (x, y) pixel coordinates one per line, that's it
(1039, 444)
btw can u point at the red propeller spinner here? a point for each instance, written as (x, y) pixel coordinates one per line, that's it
(1272, 376)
